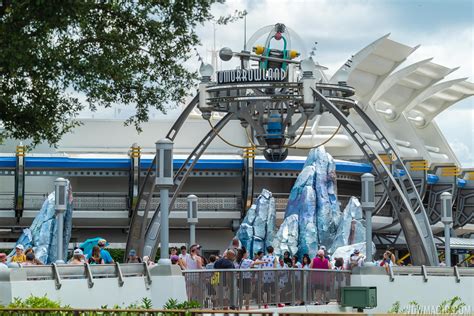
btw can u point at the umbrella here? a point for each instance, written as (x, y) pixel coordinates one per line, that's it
(89, 244)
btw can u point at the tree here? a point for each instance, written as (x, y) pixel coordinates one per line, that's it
(129, 52)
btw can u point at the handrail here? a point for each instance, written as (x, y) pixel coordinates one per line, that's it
(119, 274)
(57, 277)
(90, 277)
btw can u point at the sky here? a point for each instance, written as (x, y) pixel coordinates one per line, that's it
(444, 29)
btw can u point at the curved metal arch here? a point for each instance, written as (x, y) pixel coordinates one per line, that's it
(419, 240)
(151, 238)
(138, 222)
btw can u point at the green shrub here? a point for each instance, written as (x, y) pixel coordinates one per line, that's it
(173, 304)
(450, 306)
(35, 302)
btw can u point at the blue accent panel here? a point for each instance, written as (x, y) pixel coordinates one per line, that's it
(203, 164)
(401, 172)
(7, 162)
(355, 167)
(297, 165)
(76, 163)
(432, 179)
(461, 183)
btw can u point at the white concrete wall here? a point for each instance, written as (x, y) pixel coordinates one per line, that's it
(105, 291)
(407, 288)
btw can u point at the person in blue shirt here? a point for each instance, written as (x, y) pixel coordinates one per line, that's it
(104, 253)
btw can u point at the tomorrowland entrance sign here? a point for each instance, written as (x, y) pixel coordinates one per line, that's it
(251, 75)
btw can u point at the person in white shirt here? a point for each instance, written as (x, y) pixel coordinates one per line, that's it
(183, 256)
(242, 262)
(271, 262)
(295, 263)
(194, 261)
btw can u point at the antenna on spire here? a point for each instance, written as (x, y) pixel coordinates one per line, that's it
(245, 32)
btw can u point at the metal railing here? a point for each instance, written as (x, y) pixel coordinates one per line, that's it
(89, 201)
(428, 272)
(251, 288)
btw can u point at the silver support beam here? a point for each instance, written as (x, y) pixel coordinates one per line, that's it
(135, 235)
(19, 182)
(180, 177)
(419, 240)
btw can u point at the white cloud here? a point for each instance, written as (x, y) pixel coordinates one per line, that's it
(463, 152)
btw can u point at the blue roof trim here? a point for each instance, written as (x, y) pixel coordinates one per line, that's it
(432, 178)
(203, 164)
(462, 183)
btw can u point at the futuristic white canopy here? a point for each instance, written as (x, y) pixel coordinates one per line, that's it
(400, 88)
(405, 101)
(372, 64)
(437, 99)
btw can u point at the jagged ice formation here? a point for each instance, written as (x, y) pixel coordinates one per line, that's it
(258, 227)
(42, 235)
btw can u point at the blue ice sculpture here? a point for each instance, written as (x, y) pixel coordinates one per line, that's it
(42, 235)
(313, 206)
(351, 230)
(257, 230)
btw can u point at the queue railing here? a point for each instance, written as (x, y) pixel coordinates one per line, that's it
(250, 288)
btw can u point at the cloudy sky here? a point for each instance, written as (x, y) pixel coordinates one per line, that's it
(444, 29)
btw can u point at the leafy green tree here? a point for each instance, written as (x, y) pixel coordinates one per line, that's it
(130, 52)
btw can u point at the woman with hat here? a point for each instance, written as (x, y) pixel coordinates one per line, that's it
(77, 257)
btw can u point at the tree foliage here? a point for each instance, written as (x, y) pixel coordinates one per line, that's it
(59, 57)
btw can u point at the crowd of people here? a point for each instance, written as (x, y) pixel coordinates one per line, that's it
(97, 255)
(235, 256)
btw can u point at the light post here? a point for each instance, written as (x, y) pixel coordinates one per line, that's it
(447, 219)
(206, 72)
(309, 82)
(368, 205)
(60, 204)
(164, 180)
(192, 217)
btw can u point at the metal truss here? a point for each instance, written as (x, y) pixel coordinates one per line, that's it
(138, 221)
(402, 191)
(151, 240)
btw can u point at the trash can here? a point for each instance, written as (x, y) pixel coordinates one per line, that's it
(359, 297)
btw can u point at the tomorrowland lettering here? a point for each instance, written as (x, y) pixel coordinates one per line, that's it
(250, 75)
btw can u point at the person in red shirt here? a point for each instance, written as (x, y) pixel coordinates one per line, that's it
(320, 279)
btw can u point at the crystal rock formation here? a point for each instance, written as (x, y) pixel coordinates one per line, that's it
(312, 207)
(258, 227)
(42, 235)
(351, 229)
(346, 251)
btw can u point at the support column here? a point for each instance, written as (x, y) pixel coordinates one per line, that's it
(248, 179)
(447, 220)
(192, 217)
(134, 178)
(164, 181)
(60, 203)
(19, 181)
(368, 205)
